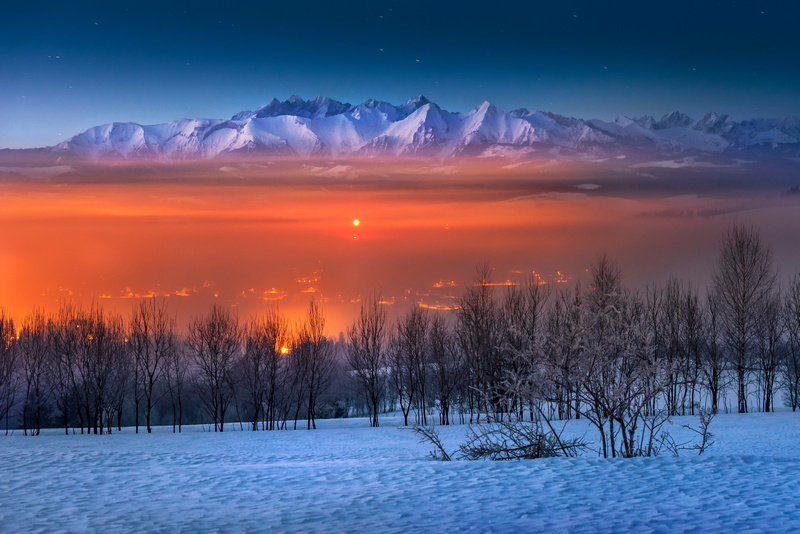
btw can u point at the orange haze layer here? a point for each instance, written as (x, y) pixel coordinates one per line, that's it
(256, 234)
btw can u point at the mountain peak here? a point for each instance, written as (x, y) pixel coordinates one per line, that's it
(327, 126)
(412, 104)
(486, 107)
(673, 119)
(308, 109)
(714, 123)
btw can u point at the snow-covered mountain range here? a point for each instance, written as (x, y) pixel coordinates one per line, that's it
(420, 127)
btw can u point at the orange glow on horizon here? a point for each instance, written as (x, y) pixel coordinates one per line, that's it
(187, 232)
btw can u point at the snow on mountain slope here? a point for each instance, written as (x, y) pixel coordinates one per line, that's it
(625, 129)
(372, 118)
(292, 129)
(679, 138)
(424, 132)
(420, 127)
(129, 140)
(486, 125)
(563, 131)
(413, 104)
(674, 119)
(312, 109)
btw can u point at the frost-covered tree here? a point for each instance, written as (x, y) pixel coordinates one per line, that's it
(479, 333)
(565, 342)
(613, 371)
(522, 319)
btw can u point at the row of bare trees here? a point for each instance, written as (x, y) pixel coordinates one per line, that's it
(624, 360)
(85, 368)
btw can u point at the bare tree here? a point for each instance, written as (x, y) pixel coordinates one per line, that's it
(65, 333)
(119, 381)
(479, 335)
(36, 355)
(296, 370)
(672, 315)
(176, 371)
(8, 366)
(401, 375)
(522, 320)
(108, 368)
(410, 366)
(598, 369)
(276, 335)
(215, 342)
(619, 377)
(318, 353)
(98, 350)
(694, 328)
(366, 353)
(266, 344)
(770, 345)
(713, 361)
(152, 340)
(447, 364)
(790, 372)
(675, 318)
(564, 345)
(743, 281)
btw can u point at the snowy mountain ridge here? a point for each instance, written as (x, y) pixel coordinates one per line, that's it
(324, 126)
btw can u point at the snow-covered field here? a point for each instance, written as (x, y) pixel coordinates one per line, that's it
(345, 477)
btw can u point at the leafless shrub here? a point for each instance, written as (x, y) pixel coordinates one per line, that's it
(516, 440)
(705, 436)
(666, 441)
(505, 440)
(429, 434)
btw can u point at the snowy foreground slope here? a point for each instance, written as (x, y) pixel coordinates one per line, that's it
(345, 477)
(420, 127)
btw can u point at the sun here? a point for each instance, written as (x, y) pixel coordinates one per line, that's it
(356, 222)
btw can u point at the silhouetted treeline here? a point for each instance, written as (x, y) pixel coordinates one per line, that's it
(624, 360)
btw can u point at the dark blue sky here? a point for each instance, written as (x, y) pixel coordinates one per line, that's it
(67, 66)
